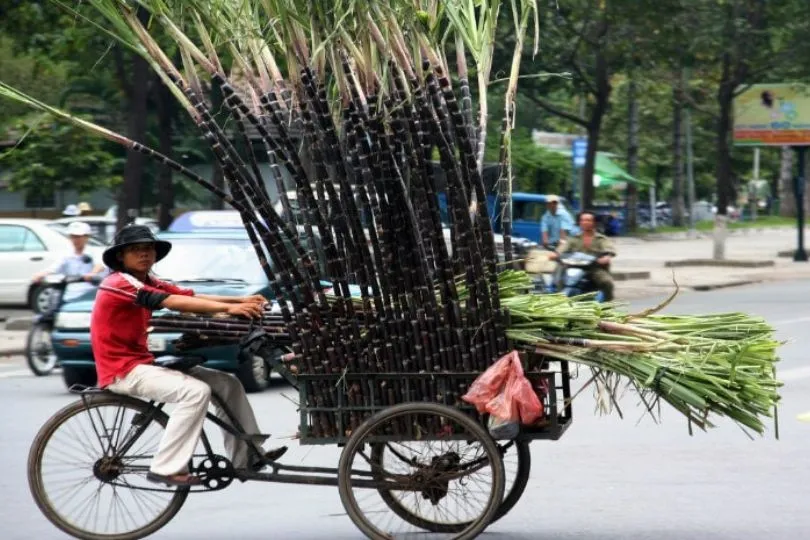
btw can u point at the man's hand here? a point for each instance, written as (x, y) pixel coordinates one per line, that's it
(553, 256)
(254, 299)
(604, 260)
(250, 310)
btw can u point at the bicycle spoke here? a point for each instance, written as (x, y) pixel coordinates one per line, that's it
(88, 486)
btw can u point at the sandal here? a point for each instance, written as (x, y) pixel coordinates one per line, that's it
(268, 458)
(180, 479)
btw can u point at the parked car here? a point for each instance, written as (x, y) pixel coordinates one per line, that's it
(220, 263)
(29, 246)
(104, 227)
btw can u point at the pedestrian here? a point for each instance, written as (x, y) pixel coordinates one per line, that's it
(118, 332)
(593, 243)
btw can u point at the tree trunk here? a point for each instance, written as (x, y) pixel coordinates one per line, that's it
(632, 152)
(165, 187)
(602, 97)
(129, 198)
(678, 210)
(723, 169)
(787, 200)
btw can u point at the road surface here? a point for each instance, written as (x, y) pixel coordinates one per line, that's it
(607, 479)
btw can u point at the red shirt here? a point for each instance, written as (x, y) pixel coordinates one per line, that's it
(121, 314)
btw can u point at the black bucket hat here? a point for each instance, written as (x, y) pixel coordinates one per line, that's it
(133, 234)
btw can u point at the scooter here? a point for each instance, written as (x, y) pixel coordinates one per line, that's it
(575, 271)
(38, 348)
(576, 267)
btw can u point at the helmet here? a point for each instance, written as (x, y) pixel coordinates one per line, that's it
(85, 207)
(78, 228)
(71, 210)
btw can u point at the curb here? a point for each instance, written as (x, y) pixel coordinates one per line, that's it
(724, 285)
(630, 275)
(744, 231)
(721, 263)
(19, 324)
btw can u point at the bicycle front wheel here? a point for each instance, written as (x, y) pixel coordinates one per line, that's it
(86, 485)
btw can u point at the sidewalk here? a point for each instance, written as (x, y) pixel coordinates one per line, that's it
(12, 343)
(752, 256)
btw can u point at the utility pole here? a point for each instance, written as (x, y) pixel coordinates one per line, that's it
(690, 174)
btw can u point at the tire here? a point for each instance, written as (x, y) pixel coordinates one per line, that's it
(51, 430)
(515, 491)
(512, 492)
(463, 530)
(84, 376)
(39, 352)
(36, 301)
(253, 373)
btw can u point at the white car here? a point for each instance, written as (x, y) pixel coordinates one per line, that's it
(28, 246)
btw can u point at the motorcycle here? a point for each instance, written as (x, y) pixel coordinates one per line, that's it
(575, 271)
(38, 348)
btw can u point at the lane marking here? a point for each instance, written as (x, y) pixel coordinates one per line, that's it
(17, 373)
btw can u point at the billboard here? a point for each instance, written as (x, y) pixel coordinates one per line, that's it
(772, 115)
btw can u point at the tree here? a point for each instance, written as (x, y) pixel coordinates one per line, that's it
(57, 157)
(749, 41)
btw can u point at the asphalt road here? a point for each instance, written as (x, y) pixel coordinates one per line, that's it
(607, 479)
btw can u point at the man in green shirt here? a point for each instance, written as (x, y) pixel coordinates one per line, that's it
(594, 243)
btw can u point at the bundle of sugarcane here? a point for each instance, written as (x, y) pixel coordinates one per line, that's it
(351, 101)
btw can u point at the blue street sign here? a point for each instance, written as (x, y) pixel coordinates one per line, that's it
(580, 148)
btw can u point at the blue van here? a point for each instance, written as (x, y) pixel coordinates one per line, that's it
(527, 211)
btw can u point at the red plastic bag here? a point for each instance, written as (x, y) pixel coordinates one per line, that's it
(504, 392)
(489, 384)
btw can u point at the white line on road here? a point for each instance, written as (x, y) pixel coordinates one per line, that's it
(17, 373)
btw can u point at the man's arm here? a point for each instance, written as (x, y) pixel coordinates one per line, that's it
(256, 298)
(199, 304)
(606, 246)
(544, 229)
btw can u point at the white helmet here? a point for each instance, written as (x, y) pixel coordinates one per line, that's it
(78, 228)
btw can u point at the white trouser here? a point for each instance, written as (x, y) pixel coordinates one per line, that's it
(191, 394)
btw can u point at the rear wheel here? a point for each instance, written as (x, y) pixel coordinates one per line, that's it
(87, 485)
(517, 464)
(446, 478)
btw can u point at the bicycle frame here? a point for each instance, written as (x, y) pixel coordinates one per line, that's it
(324, 476)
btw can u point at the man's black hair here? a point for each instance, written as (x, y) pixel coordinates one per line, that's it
(582, 213)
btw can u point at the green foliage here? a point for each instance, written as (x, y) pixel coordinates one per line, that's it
(55, 156)
(30, 73)
(534, 168)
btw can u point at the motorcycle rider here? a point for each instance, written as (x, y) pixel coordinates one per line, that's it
(593, 243)
(556, 223)
(78, 263)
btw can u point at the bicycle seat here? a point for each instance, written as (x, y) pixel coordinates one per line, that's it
(180, 363)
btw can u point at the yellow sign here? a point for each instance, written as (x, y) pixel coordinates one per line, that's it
(773, 115)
